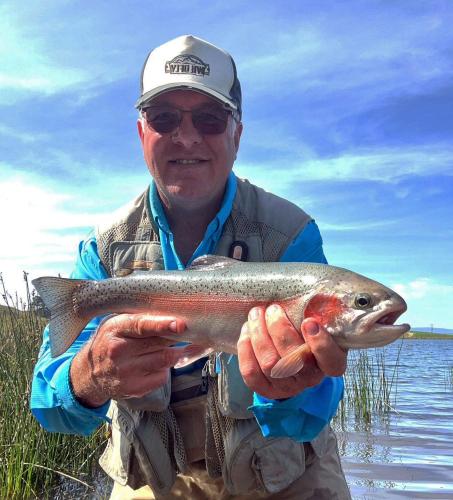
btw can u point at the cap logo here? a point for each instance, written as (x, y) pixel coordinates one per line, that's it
(187, 64)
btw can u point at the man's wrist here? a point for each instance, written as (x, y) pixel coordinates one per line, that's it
(81, 385)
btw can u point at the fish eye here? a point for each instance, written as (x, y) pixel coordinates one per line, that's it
(363, 300)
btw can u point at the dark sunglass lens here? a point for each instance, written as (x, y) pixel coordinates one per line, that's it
(210, 121)
(162, 121)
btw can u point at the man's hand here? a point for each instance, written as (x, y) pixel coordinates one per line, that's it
(268, 335)
(126, 358)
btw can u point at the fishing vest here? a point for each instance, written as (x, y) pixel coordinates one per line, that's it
(202, 415)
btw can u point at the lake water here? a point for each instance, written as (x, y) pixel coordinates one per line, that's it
(408, 454)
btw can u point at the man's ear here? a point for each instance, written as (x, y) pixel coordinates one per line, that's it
(237, 135)
(141, 128)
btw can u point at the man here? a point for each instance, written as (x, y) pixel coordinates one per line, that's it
(222, 427)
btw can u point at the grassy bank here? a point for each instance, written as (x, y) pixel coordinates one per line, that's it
(31, 459)
(428, 335)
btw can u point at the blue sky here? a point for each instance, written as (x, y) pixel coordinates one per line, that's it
(348, 112)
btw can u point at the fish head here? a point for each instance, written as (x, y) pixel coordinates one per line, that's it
(358, 312)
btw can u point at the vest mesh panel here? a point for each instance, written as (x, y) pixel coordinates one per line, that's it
(122, 232)
(217, 427)
(171, 437)
(273, 241)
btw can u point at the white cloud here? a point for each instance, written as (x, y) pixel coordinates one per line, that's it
(388, 54)
(42, 58)
(35, 223)
(363, 226)
(44, 220)
(24, 137)
(26, 65)
(382, 165)
(429, 302)
(420, 288)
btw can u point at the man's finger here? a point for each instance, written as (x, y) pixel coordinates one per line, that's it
(263, 346)
(144, 325)
(284, 336)
(330, 357)
(248, 364)
(165, 357)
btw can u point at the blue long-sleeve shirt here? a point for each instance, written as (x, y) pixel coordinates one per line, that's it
(54, 405)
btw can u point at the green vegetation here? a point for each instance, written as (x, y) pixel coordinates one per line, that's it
(370, 385)
(428, 335)
(31, 459)
(449, 377)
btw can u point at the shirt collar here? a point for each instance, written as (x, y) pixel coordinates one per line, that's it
(158, 213)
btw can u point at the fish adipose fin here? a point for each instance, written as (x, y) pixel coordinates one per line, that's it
(291, 363)
(65, 325)
(212, 263)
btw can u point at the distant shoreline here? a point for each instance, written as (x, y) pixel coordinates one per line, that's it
(428, 336)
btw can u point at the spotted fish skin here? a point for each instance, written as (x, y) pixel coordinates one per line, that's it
(214, 297)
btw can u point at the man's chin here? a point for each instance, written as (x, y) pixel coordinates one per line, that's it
(193, 199)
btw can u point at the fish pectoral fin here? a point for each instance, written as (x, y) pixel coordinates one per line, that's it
(291, 363)
(212, 263)
(192, 353)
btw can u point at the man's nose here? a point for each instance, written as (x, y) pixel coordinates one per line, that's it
(186, 134)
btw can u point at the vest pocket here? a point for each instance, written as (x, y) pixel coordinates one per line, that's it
(254, 463)
(279, 464)
(138, 450)
(116, 456)
(234, 396)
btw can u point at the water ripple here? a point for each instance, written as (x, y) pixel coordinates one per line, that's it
(409, 455)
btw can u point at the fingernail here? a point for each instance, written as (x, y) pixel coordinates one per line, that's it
(173, 326)
(272, 310)
(311, 328)
(254, 314)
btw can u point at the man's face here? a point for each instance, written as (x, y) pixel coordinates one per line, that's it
(190, 169)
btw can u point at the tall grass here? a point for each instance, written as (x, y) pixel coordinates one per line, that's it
(370, 386)
(31, 459)
(449, 377)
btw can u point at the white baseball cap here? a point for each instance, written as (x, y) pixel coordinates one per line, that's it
(188, 62)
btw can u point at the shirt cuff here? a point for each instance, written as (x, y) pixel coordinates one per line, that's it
(67, 399)
(301, 417)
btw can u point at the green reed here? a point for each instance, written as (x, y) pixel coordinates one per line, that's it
(31, 459)
(370, 386)
(449, 378)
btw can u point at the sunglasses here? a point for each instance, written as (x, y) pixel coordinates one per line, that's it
(209, 120)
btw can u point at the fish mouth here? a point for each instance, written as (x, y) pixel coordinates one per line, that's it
(388, 318)
(378, 328)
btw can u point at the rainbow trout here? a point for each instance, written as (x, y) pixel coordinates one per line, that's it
(214, 295)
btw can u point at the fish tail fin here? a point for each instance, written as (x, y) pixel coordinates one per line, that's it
(291, 363)
(65, 324)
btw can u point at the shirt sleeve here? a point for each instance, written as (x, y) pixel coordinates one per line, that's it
(52, 401)
(301, 417)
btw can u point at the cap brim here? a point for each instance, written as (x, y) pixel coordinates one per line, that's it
(148, 96)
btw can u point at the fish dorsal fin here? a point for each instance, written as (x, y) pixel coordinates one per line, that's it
(212, 263)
